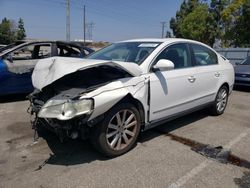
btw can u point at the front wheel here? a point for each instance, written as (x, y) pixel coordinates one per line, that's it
(220, 102)
(118, 132)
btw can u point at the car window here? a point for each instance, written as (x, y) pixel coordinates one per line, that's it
(178, 54)
(246, 61)
(118, 54)
(24, 59)
(44, 51)
(29, 52)
(135, 52)
(68, 51)
(24, 53)
(203, 55)
(86, 52)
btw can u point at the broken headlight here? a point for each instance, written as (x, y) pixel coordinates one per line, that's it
(65, 110)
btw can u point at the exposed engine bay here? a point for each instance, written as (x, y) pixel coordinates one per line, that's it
(64, 106)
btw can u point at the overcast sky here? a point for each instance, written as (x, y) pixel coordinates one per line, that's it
(113, 19)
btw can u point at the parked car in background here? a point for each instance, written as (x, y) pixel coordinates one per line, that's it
(242, 73)
(2, 46)
(126, 88)
(234, 55)
(12, 45)
(17, 61)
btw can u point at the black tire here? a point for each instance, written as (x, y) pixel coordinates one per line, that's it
(100, 132)
(216, 109)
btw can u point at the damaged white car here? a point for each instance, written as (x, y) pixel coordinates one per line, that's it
(126, 88)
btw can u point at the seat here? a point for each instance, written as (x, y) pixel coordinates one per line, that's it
(173, 56)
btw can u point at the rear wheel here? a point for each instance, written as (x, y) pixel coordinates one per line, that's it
(220, 102)
(118, 132)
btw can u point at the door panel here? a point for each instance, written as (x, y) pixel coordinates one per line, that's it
(172, 92)
(208, 74)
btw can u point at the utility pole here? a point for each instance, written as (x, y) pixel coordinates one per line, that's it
(162, 29)
(84, 26)
(68, 20)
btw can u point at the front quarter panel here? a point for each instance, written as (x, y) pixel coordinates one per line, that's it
(108, 96)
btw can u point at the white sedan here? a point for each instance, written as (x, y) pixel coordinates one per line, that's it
(126, 88)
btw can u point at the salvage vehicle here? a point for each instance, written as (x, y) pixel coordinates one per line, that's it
(12, 45)
(18, 60)
(128, 87)
(242, 73)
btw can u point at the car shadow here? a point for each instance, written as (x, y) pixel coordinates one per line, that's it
(242, 88)
(13, 98)
(170, 126)
(74, 152)
(69, 152)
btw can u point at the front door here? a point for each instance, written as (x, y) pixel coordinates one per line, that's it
(173, 91)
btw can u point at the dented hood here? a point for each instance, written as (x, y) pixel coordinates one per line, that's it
(51, 69)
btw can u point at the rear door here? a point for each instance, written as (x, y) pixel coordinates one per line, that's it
(208, 73)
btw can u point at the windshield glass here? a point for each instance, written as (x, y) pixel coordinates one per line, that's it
(135, 52)
(246, 61)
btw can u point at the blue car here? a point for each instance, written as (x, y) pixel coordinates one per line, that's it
(17, 63)
(242, 73)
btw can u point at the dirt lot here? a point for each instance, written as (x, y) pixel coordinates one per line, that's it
(164, 157)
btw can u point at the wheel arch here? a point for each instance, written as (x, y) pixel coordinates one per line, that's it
(138, 104)
(225, 84)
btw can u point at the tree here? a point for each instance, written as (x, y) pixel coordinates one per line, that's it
(168, 34)
(7, 34)
(198, 25)
(216, 9)
(242, 27)
(185, 9)
(21, 31)
(227, 21)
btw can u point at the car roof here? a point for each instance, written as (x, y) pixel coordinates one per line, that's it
(159, 40)
(24, 43)
(167, 41)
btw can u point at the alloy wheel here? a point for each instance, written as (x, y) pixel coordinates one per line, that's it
(221, 101)
(121, 129)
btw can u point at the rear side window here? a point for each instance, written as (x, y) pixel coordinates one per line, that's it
(203, 55)
(68, 51)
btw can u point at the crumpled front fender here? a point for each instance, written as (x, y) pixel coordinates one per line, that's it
(106, 97)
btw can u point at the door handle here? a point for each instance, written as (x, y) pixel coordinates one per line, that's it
(217, 74)
(191, 79)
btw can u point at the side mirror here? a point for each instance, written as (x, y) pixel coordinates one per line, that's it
(163, 65)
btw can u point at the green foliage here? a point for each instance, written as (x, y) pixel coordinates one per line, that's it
(196, 25)
(242, 26)
(21, 31)
(9, 33)
(206, 21)
(185, 9)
